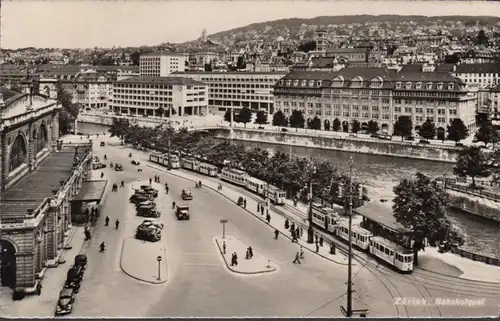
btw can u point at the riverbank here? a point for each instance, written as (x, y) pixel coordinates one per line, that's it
(405, 149)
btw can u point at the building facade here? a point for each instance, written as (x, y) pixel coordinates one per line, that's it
(161, 64)
(37, 178)
(377, 94)
(235, 90)
(160, 96)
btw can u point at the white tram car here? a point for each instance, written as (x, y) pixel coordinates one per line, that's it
(190, 163)
(360, 237)
(174, 161)
(276, 195)
(208, 169)
(392, 253)
(234, 176)
(155, 157)
(325, 217)
(256, 185)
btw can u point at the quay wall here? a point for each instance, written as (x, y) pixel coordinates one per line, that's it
(405, 149)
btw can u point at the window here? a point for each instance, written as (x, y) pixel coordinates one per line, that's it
(408, 85)
(429, 86)
(398, 85)
(450, 86)
(17, 153)
(440, 86)
(303, 83)
(419, 85)
(41, 139)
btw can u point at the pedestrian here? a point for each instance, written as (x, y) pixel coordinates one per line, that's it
(106, 221)
(223, 247)
(117, 222)
(301, 232)
(321, 241)
(276, 234)
(244, 203)
(235, 259)
(258, 207)
(297, 258)
(316, 237)
(102, 174)
(268, 218)
(297, 232)
(247, 255)
(317, 247)
(150, 181)
(292, 228)
(232, 259)
(287, 224)
(250, 251)
(39, 288)
(301, 252)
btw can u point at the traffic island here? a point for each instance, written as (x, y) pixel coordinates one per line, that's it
(144, 261)
(257, 264)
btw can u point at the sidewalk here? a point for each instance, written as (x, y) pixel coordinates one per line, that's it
(277, 220)
(256, 265)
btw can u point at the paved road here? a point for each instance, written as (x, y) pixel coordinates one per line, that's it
(199, 285)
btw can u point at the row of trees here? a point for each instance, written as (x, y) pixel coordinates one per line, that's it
(69, 110)
(292, 174)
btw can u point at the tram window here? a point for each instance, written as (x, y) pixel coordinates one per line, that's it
(391, 253)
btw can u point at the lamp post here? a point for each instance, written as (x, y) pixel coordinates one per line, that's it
(310, 230)
(159, 258)
(349, 259)
(223, 222)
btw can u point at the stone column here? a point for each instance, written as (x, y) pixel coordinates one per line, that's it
(25, 270)
(51, 217)
(55, 126)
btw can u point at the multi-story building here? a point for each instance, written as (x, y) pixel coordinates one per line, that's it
(160, 96)
(483, 77)
(377, 94)
(494, 102)
(38, 178)
(161, 64)
(235, 90)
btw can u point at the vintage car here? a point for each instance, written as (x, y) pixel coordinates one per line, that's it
(81, 261)
(118, 167)
(134, 162)
(98, 166)
(149, 231)
(74, 278)
(182, 212)
(148, 204)
(148, 210)
(103, 144)
(66, 299)
(140, 198)
(150, 190)
(186, 194)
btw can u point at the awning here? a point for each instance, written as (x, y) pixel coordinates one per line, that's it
(91, 191)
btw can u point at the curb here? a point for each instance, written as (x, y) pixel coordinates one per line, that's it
(239, 272)
(139, 279)
(258, 217)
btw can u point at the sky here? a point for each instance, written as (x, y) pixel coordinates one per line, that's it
(93, 23)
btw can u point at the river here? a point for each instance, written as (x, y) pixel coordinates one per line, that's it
(380, 174)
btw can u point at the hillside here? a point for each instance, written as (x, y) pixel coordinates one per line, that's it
(296, 29)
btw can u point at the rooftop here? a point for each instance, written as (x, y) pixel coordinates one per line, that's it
(161, 81)
(239, 73)
(162, 53)
(488, 68)
(9, 95)
(380, 214)
(30, 191)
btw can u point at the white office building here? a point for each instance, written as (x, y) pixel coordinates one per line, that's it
(161, 64)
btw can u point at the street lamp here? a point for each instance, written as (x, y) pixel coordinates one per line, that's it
(223, 222)
(159, 258)
(310, 230)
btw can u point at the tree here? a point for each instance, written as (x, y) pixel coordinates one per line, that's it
(420, 205)
(336, 125)
(245, 116)
(241, 64)
(482, 39)
(261, 117)
(297, 120)
(315, 123)
(356, 126)
(457, 130)
(69, 110)
(472, 162)
(307, 46)
(227, 115)
(208, 67)
(487, 134)
(428, 129)
(279, 119)
(403, 127)
(120, 127)
(373, 127)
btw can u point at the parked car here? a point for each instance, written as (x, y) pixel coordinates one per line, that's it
(147, 210)
(182, 212)
(118, 167)
(140, 198)
(284, 129)
(410, 138)
(149, 231)
(81, 260)
(262, 127)
(134, 162)
(374, 135)
(186, 194)
(423, 141)
(148, 189)
(98, 166)
(65, 302)
(103, 144)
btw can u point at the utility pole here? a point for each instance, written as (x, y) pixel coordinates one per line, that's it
(349, 310)
(231, 131)
(310, 230)
(168, 155)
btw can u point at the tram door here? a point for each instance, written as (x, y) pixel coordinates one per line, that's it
(7, 264)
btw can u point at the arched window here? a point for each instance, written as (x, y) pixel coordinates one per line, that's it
(17, 153)
(41, 139)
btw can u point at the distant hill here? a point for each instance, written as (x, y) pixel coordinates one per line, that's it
(291, 27)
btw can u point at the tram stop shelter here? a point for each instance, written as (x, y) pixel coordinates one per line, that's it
(90, 192)
(379, 218)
